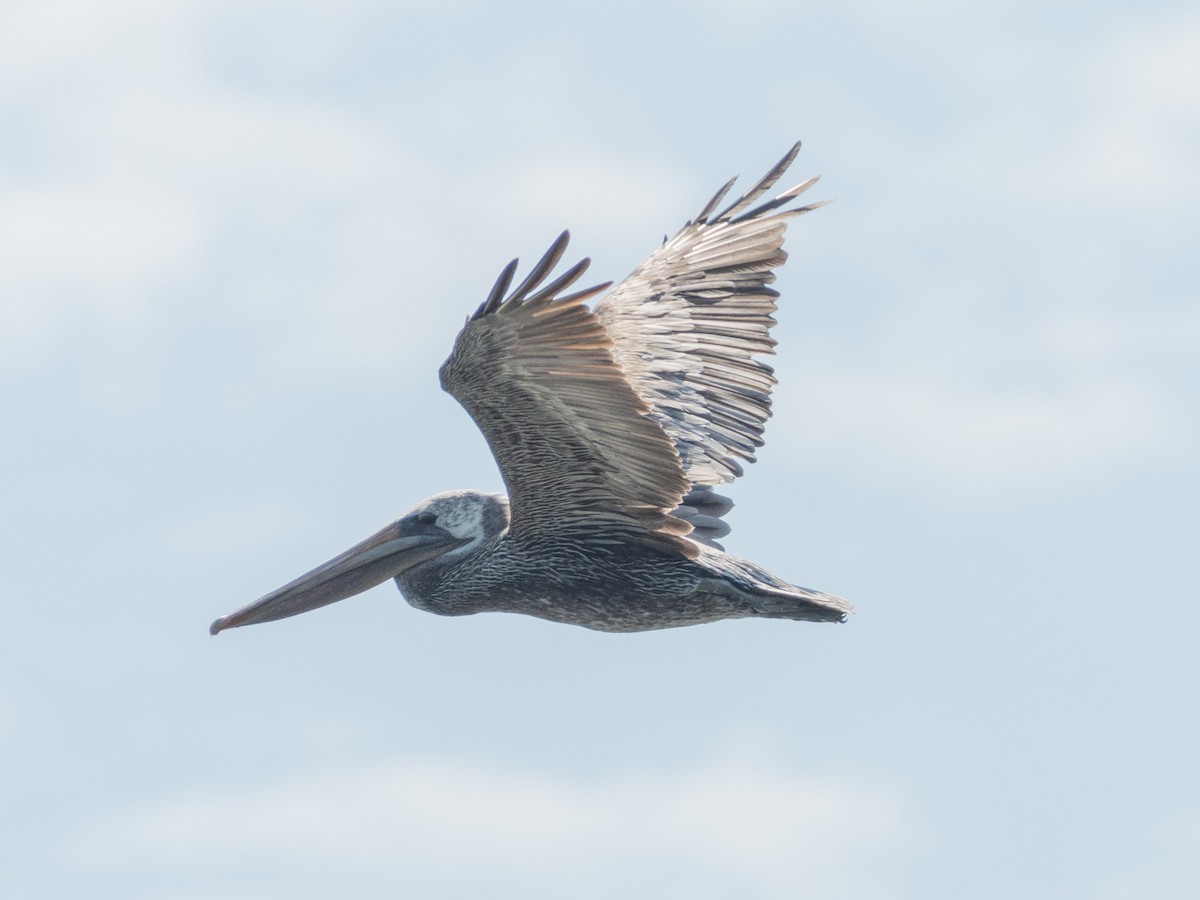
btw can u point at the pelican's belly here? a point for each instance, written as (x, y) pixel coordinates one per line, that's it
(605, 589)
(635, 591)
(640, 612)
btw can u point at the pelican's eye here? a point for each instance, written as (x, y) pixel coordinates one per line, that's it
(426, 518)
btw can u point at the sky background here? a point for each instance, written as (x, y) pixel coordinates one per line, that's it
(236, 242)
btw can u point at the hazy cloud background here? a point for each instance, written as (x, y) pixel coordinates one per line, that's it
(236, 241)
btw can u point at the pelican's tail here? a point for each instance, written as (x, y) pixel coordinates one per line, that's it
(801, 604)
(761, 593)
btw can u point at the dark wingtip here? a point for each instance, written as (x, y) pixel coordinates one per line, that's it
(764, 185)
(703, 216)
(585, 294)
(543, 268)
(488, 306)
(561, 283)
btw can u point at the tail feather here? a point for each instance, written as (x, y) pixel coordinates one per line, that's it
(765, 594)
(801, 604)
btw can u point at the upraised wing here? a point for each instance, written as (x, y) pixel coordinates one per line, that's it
(689, 324)
(579, 453)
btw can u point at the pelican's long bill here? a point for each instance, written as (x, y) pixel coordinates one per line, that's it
(397, 548)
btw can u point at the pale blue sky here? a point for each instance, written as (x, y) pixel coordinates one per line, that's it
(237, 240)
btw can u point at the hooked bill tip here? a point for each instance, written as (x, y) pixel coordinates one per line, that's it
(216, 626)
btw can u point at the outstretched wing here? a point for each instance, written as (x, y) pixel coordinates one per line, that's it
(579, 453)
(689, 324)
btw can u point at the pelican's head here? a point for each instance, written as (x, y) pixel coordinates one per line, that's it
(443, 528)
(470, 516)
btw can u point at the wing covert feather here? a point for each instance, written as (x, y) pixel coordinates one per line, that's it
(578, 451)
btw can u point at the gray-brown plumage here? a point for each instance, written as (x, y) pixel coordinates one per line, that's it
(611, 427)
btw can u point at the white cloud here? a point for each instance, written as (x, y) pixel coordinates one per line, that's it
(148, 170)
(1160, 858)
(75, 255)
(1145, 132)
(137, 169)
(231, 525)
(40, 38)
(947, 430)
(621, 194)
(755, 829)
(1063, 400)
(1120, 341)
(1111, 125)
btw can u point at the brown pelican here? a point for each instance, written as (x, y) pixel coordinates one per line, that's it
(611, 426)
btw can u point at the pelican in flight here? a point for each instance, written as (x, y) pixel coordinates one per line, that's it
(611, 425)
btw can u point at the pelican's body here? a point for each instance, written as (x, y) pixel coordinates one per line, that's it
(620, 588)
(611, 428)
